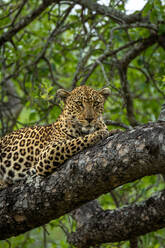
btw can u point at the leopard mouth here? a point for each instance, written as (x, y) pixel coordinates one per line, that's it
(87, 129)
(84, 128)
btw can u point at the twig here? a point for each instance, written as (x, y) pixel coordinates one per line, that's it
(51, 72)
(24, 22)
(136, 25)
(105, 55)
(119, 124)
(19, 11)
(58, 29)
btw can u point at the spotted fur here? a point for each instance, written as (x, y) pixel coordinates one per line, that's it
(41, 149)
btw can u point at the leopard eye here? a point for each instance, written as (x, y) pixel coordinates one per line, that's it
(96, 103)
(79, 103)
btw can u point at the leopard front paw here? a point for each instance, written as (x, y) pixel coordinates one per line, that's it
(102, 134)
(97, 136)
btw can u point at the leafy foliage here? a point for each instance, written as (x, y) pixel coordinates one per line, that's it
(67, 45)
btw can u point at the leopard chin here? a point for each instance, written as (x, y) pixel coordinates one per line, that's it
(88, 130)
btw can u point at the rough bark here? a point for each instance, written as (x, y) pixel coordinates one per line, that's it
(86, 217)
(122, 224)
(121, 158)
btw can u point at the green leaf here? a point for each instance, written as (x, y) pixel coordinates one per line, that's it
(161, 30)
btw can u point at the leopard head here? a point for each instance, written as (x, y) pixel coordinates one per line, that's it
(84, 107)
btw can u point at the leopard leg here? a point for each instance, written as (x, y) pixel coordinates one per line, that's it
(56, 153)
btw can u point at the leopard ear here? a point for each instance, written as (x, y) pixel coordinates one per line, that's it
(62, 94)
(105, 92)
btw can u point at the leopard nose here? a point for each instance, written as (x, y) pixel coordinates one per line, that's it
(89, 119)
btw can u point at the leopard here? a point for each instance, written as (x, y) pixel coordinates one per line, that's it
(41, 150)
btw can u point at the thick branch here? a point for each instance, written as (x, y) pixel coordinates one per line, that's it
(127, 95)
(115, 15)
(162, 113)
(84, 214)
(122, 224)
(122, 67)
(122, 158)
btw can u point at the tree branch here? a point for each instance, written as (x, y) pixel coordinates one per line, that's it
(122, 224)
(107, 53)
(10, 110)
(25, 21)
(162, 113)
(117, 124)
(128, 100)
(122, 65)
(121, 158)
(115, 15)
(137, 49)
